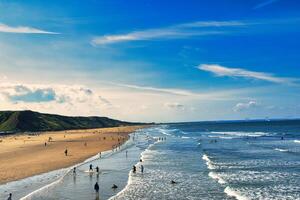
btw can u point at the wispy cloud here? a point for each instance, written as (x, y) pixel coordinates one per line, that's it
(264, 3)
(23, 29)
(219, 70)
(245, 106)
(185, 93)
(171, 32)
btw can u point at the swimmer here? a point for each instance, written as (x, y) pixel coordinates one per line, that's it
(114, 186)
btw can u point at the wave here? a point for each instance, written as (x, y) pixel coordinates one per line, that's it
(185, 137)
(221, 137)
(130, 174)
(297, 141)
(282, 150)
(215, 176)
(241, 134)
(233, 193)
(208, 162)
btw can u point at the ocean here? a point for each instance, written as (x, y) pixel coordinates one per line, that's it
(206, 160)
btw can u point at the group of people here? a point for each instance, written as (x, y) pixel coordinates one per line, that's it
(162, 138)
(141, 167)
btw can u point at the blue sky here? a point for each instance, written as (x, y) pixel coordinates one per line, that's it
(152, 60)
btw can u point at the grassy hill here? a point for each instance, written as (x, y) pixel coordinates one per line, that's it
(22, 121)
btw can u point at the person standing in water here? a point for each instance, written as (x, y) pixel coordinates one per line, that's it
(96, 187)
(91, 167)
(97, 169)
(142, 169)
(10, 196)
(74, 170)
(126, 153)
(134, 169)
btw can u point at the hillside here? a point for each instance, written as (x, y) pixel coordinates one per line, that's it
(22, 121)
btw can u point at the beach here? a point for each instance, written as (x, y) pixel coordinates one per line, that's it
(25, 155)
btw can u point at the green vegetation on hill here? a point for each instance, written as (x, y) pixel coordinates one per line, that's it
(22, 121)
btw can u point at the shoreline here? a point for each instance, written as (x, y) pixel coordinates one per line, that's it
(23, 156)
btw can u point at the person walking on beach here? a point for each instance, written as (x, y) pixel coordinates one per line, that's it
(134, 169)
(142, 169)
(96, 187)
(10, 196)
(66, 152)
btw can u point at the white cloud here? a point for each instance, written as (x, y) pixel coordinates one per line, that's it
(264, 3)
(245, 106)
(170, 32)
(219, 70)
(175, 105)
(23, 29)
(62, 99)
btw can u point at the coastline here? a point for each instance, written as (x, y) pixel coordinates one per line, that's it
(22, 156)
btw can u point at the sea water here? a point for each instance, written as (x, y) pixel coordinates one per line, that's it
(207, 160)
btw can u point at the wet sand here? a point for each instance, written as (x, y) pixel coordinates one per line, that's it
(26, 155)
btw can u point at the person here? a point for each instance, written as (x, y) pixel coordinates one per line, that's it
(281, 138)
(74, 170)
(66, 152)
(114, 186)
(126, 153)
(134, 169)
(10, 196)
(45, 143)
(97, 169)
(100, 155)
(141, 160)
(173, 182)
(142, 168)
(96, 187)
(91, 167)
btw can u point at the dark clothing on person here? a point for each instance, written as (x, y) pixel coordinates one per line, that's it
(97, 169)
(114, 186)
(10, 197)
(134, 169)
(91, 167)
(96, 187)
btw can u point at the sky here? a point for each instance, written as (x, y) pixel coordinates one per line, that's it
(152, 61)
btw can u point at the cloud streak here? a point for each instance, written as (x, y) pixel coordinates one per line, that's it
(245, 106)
(23, 30)
(184, 30)
(264, 3)
(219, 70)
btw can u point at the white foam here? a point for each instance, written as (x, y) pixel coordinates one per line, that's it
(233, 193)
(208, 162)
(215, 176)
(241, 134)
(282, 150)
(205, 157)
(297, 141)
(184, 137)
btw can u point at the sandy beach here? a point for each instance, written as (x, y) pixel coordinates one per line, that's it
(27, 154)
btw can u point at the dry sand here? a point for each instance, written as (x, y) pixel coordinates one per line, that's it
(26, 155)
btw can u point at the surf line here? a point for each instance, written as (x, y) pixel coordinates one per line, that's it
(129, 181)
